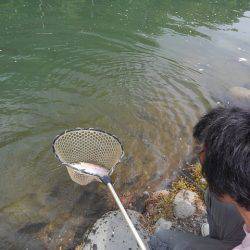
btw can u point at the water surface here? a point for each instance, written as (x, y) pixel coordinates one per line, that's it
(143, 70)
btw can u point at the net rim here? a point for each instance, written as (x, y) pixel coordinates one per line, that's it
(85, 129)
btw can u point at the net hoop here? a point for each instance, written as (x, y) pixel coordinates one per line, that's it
(107, 157)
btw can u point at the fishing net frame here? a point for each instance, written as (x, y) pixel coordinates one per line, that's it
(88, 145)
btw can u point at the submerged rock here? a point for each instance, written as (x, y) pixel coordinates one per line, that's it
(64, 231)
(111, 232)
(240, 92)
(184, 204)
(31, 228)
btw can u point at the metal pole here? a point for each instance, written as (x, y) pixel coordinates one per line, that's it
(124, 213)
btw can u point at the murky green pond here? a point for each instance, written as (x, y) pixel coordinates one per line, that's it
(143, 70)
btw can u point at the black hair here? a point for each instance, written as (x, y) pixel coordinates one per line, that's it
(225, 134)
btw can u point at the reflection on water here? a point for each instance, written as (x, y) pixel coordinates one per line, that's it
(143, 70)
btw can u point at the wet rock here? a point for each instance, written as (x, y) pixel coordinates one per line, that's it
(162, 224)
(139, 204)
(63, 231)
(146, 193)
(32, 244)
(184, 204)
(31, 228)
(240, 92)
(111, 232)
(167, 184)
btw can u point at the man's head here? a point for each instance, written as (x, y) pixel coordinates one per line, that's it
(225, 135)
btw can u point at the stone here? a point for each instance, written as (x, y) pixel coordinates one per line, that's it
(167, 184)
(140, 202)
(32, 228)
(146, 194)
(162, 224)
(205, 229)
(184, 204)
(240, 92)
(111, 232)
(203, 181)
(63, 231)
(185, 195)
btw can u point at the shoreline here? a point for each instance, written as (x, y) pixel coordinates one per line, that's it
(178, 207)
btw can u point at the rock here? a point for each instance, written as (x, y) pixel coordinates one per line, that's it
(205, 229)
(151, 208)
(62, 231)
(111, 232)
(240, 93)
(185, 195)
(160, 193)
(203, 181)
(162, 224)
(32, 228)
(184, 210)
(140, 202)
(167, 184)
(184, 204)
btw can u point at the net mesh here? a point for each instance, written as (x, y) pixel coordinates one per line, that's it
(89, 146)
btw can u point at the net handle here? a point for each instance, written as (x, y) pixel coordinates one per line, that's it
(126, 217)
(107, 181)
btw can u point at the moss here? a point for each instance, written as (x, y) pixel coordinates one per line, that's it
(162, 205)
(197, 176)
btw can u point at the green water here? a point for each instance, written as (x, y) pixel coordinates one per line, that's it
(143, 70)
